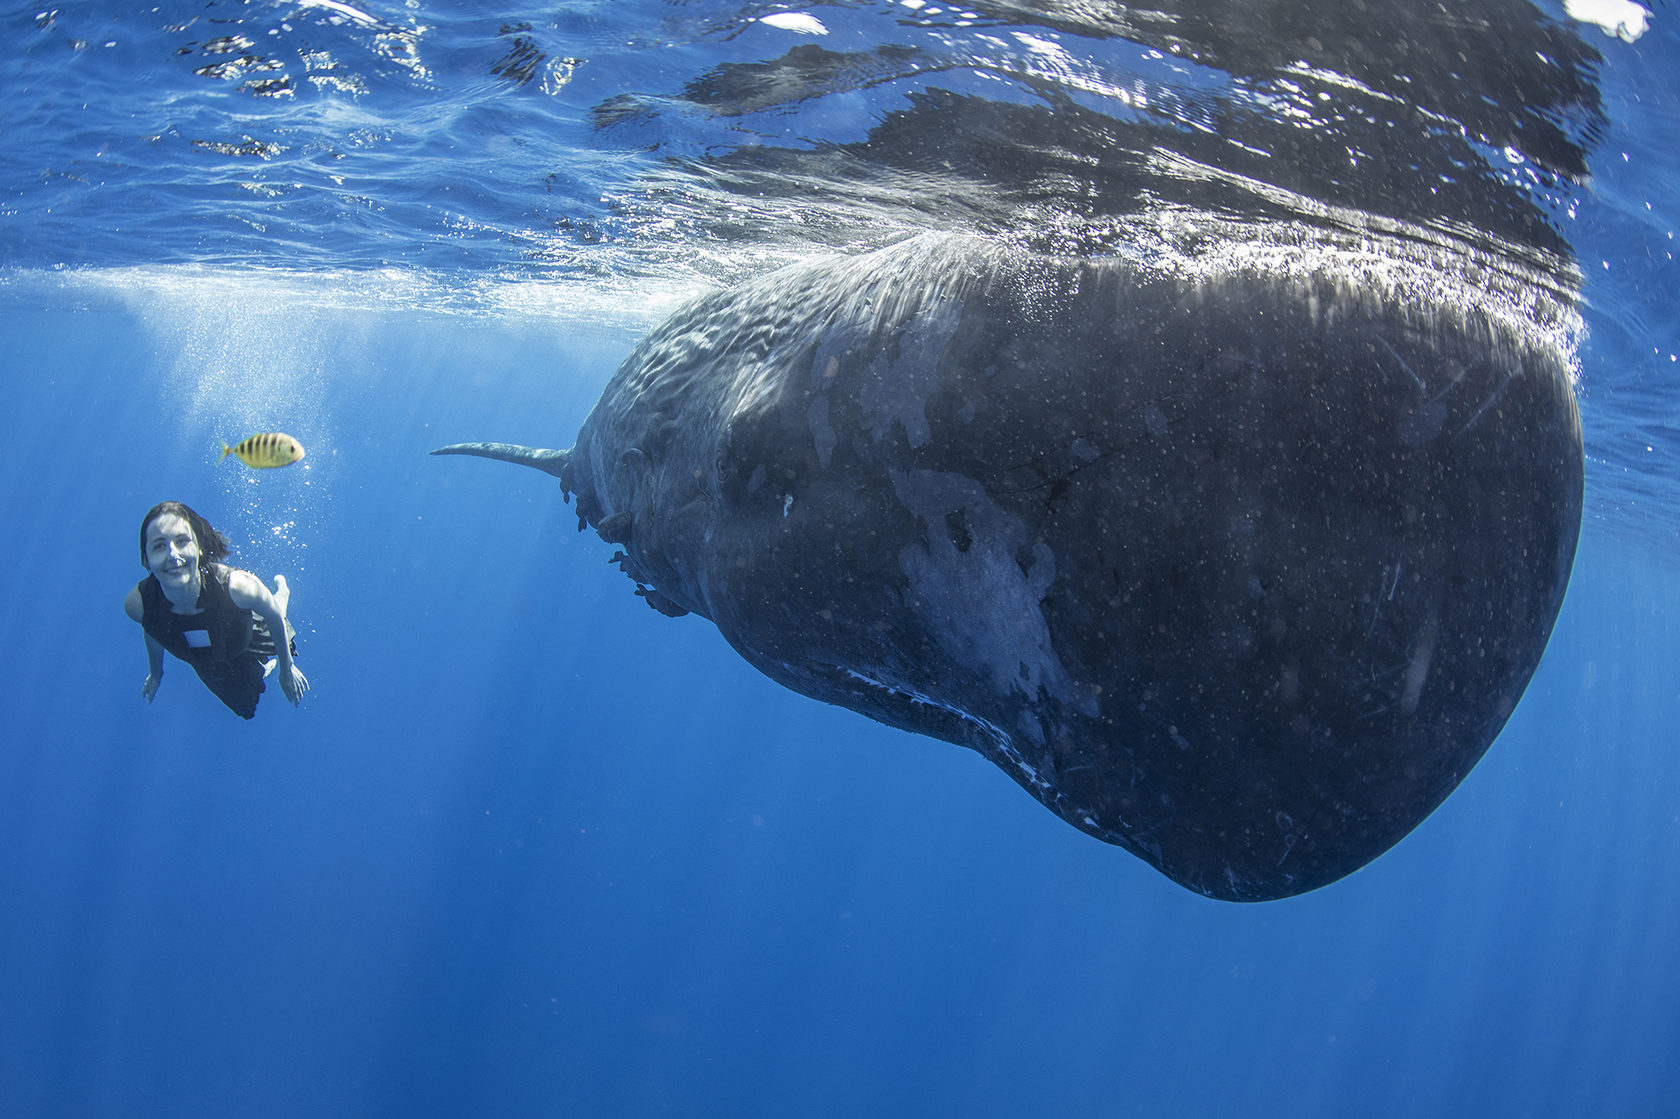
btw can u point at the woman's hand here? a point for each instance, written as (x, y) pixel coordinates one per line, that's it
(294, 685)
(151, 686)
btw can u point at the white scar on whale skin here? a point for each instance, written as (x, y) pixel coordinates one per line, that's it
(978, 603)
(995, 734)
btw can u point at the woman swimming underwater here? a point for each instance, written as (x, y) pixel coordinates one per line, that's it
(217, 618)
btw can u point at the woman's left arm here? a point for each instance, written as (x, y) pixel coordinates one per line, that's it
(248, 593)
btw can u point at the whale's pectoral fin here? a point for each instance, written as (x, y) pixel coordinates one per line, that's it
(548, 461)
(660, 602)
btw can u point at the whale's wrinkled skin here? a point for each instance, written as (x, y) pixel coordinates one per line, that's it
(1239, 562)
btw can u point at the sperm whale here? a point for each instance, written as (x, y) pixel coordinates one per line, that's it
(1238, 559)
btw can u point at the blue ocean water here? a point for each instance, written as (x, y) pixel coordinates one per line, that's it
(527, 847)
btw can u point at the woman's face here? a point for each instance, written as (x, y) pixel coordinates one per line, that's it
(172, 551)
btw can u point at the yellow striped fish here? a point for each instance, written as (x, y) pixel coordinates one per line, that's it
(265, 450)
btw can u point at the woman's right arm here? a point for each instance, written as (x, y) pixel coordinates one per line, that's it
(134, 608)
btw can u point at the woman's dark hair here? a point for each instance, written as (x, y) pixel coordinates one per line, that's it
(212, 545)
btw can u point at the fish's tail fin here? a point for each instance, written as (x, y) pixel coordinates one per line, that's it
(548, 461)
(226, 451)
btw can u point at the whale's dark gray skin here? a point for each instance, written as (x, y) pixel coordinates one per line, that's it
(1239, 560)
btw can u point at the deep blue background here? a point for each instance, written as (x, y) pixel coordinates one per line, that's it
(530, 848)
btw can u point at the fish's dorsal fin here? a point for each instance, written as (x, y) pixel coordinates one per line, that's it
(542, 458)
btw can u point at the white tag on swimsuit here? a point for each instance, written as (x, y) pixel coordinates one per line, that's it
(197, 638)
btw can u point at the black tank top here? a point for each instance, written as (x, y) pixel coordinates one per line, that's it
(230, 629)
(231, 665)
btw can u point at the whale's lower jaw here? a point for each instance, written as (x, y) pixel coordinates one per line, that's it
(541, 458)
